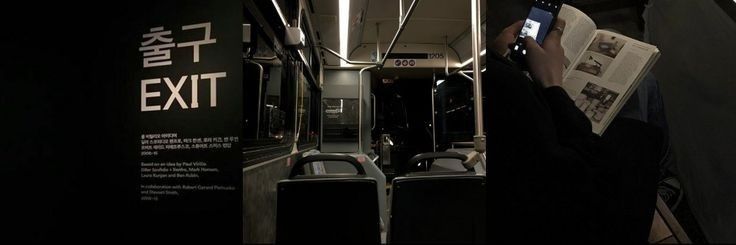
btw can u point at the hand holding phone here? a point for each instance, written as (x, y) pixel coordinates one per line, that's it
(537, 25)
(546, 62)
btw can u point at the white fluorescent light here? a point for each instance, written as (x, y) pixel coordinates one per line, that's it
(344, 22)
(440, 81)
(278, 10)
(482, 52)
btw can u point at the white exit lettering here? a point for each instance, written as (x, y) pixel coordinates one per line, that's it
(175, 88)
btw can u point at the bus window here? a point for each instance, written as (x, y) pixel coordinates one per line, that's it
(266, 114)
(307, 130)
(454, 103)
(340, 120)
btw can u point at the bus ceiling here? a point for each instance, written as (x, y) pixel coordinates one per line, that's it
(347, 33)
(437, 31)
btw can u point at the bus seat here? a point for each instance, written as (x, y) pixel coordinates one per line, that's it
(438, 207)
(332, 208)
(371, 170)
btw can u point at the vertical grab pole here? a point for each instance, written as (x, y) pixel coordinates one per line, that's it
(373, 108)
(434, 125)
(378, 42)
(447, 61)
(479, 139)
(360, 107)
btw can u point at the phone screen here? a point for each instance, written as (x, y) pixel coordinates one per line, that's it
(537, 24)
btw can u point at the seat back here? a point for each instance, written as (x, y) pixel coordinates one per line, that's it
(327, 208)
(372, 171)
(438, 207)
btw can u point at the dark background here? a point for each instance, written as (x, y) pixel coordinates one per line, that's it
(62, 134)
(62, 174)
(67, 131)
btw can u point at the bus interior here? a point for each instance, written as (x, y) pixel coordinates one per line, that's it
(368, 121)
(395, 85)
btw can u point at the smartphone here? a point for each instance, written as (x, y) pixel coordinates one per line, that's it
(538, 24)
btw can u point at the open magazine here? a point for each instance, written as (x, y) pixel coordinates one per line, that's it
(602, 68)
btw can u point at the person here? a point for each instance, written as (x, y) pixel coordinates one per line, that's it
(552, 179)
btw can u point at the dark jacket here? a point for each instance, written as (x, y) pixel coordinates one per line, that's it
(551, 179)
(542, 160)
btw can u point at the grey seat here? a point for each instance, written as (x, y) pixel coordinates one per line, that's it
(337, 208)
(438, 207)
(371, 170)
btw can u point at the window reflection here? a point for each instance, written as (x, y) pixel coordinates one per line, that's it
(265, 122)
(340, 119)
(307, 127)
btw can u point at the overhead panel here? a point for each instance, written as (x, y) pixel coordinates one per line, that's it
(358, 11)
(409, 55)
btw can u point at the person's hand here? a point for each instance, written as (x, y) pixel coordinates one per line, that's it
(507, 36)
(546, 62)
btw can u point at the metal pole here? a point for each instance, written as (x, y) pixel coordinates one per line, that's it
(360, 107)
(296, 71)
(378, 42)
(434, 125)
(401, 11)
(373, 108)
(461, 68)
(466, 76)
(263, 58)
(343, 58)
(260, 87)
(447, 61)
(458, 70)
(479, 138)
(402, 24)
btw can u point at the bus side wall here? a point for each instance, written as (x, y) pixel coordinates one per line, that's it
(259, 197)
(697, 80)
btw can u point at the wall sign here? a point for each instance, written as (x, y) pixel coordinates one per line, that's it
(189, 89)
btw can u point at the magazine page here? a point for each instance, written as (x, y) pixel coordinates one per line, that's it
(600, 80)
(579, 30)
